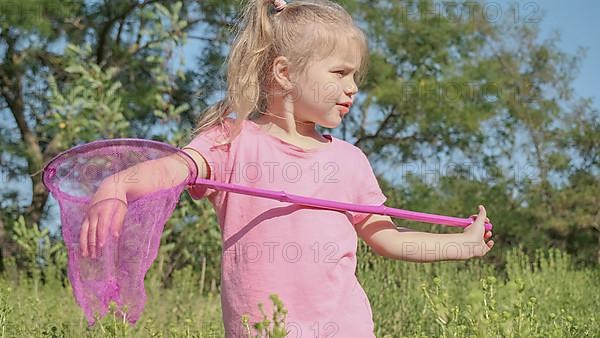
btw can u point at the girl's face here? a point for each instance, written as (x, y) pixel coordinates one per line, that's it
(328, 83)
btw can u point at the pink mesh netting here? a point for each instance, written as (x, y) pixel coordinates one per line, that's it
(117, 273)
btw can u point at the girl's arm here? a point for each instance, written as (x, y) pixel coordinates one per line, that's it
(108, 205)
(152, 175)
(382, 235)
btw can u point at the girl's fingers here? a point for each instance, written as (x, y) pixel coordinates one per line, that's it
(475, 217)
(92, 236)
(486, 234)
(490, 244)
(83, 237)
(102, 231)
(118, 220)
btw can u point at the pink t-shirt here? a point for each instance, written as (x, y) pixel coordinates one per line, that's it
(307, 256)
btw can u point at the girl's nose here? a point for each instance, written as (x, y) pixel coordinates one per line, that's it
(351, 89)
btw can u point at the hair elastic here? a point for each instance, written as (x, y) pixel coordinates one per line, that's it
(279, 5)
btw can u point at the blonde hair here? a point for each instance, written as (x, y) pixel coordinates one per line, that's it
(295, 32)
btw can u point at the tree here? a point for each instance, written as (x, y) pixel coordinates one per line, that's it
(113, 80)
(459, 83)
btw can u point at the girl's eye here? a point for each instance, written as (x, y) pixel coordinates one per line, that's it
(341, 72)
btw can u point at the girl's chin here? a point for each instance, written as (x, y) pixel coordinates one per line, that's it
(331, 123)
(330, 119)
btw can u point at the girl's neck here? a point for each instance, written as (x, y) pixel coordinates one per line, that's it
(285, 124)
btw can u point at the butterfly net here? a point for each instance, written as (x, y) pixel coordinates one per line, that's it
(81, 179)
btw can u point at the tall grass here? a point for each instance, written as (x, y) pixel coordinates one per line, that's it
(542, 296)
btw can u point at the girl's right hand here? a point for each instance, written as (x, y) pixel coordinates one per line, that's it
(476, 237)
(106, 212)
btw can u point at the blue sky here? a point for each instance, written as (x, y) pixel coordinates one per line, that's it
(578, 24)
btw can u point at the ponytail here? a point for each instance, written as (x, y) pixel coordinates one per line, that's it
(247, 69)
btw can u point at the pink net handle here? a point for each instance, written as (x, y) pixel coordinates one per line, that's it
(341, 206)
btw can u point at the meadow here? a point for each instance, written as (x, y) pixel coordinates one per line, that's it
(546, 295)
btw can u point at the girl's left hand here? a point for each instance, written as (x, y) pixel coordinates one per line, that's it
(488, 234)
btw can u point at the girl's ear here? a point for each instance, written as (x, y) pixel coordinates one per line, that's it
(281, 72)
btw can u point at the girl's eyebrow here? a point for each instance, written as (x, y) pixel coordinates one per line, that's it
(348, 66)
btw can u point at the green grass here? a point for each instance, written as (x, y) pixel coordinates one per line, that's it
(540, 297)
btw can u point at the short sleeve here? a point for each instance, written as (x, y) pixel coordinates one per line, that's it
(367, 190)
(215, 155)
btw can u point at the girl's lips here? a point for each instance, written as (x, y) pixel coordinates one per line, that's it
(344, 109)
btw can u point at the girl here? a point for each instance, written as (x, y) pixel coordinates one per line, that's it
(291, 67)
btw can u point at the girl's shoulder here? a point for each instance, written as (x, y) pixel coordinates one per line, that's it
(349, 149)
(217, 133)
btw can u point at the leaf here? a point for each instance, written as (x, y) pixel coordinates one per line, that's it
(76, 69)
(177, 7)
(162, 9)
(113, 89)
(159, 114)
(181, 109)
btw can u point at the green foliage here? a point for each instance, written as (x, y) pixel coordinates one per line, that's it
(95, 103)
(191, 237)
(461, 91)
(541, 296)
(263, 328)
(39, 255)
(36, 15)
(93, 93)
